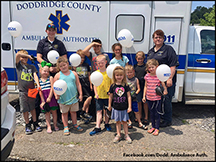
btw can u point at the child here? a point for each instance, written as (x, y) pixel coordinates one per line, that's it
(118, 57)
(83, 71)
(133, 83)
(149, 95)
(101, 96)
(97, 45)
(121, 98)
(140, 72)
(46, 95)
(25, 73)
(68, 101)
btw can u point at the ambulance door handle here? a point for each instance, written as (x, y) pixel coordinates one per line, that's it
(203, 61)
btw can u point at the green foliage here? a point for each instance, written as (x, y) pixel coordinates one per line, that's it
(203, 16)
(209, 18)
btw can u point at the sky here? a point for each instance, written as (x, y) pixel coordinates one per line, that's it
(206, 4)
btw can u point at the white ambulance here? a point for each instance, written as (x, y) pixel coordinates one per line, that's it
(79, 22)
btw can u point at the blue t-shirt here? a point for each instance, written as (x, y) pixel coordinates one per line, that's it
(121, 62)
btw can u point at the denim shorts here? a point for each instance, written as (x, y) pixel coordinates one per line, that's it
(100, 103)
(135, 106)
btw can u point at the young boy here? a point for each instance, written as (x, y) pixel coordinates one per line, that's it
(133, 83)
(83, 71)
(101, 96)
(25, 73)
(97, 45)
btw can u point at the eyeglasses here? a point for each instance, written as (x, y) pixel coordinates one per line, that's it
(157, 37)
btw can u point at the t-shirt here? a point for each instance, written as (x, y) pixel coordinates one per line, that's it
(103, 88)
(132, 82)
(152, 82)
(121, 62)
(140, 72)
(82, 71)
(165, 55)
(44, 46)
(120, 100)
(93, 60)
(25, 81)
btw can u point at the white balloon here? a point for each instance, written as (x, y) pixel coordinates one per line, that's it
(109, 70)
(60, 87)
(125, 38)
(15, 28)
(53, 56)
(96, 78)
(163, 72)
(75, 59)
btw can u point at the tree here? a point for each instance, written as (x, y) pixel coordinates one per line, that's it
(209, 18)
(199, 14)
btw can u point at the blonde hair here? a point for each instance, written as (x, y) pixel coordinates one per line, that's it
(80, 52)
(60, 60)
(119, 70)
(101, 56)
(151, 62)
(140, 53)
(23, 51)
(41, 68)
(129, 67)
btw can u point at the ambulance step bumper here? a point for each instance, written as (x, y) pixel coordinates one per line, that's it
(201, 101)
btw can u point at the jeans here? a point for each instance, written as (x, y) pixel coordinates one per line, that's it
(154, 108)
(167, 116)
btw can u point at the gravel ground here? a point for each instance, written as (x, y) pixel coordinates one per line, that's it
(191, 137)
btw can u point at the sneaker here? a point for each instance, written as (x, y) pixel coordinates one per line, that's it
(117, 139)
(87, 116)
(37, 128)
(95, 131)
(128, 139)
(28, 129)
(108, 128)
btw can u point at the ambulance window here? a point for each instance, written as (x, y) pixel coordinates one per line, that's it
(208, 41)
(134, 23)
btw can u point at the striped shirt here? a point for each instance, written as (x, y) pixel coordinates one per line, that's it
(152, 81)
(45, 85)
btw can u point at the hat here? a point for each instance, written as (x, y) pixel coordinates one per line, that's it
(50, 26)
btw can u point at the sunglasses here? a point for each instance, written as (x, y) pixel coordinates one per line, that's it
(51, 26)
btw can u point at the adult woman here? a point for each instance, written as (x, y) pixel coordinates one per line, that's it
(165, 54)
(50, 43)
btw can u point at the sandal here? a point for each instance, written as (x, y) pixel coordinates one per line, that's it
(78, 128)
(56, 129)
(151, 130)
(66, 131)
(143, 126)
(117, 139)
(156, 132)
(130, 126)
(145, 121)
(128, 139)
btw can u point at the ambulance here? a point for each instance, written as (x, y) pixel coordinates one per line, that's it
(80, 22)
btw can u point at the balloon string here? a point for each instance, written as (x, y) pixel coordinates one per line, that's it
(131, 58)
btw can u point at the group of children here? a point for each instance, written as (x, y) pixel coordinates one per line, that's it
(129, 88)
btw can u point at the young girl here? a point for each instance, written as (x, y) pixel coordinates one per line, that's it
(68, 101)
(121, 98)
(46, 94)
(140, 72)
(118, 57)
(149, 95)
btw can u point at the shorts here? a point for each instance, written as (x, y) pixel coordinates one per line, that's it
(51, 108)
(27, 104)
(100, 103)
(139, 96)
(135, 106)
(67, 108)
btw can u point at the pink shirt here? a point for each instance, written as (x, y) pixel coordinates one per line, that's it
(152, 81)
